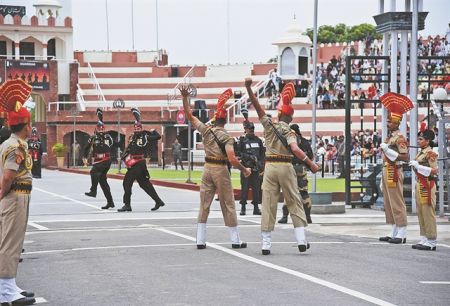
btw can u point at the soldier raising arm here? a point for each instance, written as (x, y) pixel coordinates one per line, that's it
(216, 177)
(293, 145)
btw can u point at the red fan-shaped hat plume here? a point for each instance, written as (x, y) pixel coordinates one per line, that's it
(396, 104)
(287, 94)
(223, 98)
(13, 94)
(423, 126)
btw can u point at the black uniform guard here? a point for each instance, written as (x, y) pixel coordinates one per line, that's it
(35, 151)
(251, 151)
(102, 144)
(134, 158)
(4, 131)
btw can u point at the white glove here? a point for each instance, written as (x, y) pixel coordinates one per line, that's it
(391, 154)
(414, 163)
(384, 146)
(425, 171)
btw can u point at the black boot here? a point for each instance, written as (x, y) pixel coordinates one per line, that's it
(91, 194)
(308, 214)
(158, 205)
(242, 213)
(256, 210)
(284, 219)
(124, 208)
(108, 205)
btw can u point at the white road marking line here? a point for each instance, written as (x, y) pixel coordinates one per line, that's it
(121, 217)
(67, 198)
(39, 227)
(108, 248)
(304, 276)
(435, 283)
(40, 300)
(443, 245)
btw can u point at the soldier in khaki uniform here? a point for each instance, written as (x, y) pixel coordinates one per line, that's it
(395, 152)
(16, 181)
(426, 168)
(216, 177)
(279, 173)
(302, 176)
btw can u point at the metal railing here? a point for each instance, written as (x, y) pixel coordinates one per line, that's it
(96, 84)
(174, 95)
(80, 98)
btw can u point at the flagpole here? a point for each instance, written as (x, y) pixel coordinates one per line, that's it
(107, 26)
(314, 93)
(132, 23)
(157, 30)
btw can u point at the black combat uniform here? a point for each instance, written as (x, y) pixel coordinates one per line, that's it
(251, 151)
(35, 151)
(102, 144)
(134, 157)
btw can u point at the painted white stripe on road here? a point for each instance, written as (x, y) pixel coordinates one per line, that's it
(301, 275)
(435, 283)
(67, 198)
(39, 227)
(108, 248)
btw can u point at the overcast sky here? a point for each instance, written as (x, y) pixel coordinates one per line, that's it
(195, 31)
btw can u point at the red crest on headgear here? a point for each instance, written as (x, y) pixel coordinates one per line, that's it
(287, 94)
(396, 104)
(13, 94)
(223, 98)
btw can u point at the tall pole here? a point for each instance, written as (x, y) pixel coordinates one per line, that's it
(404, 68)
(107, 26)
(385, 86)
(413, 96)
(132, 25)
(74, 139)
(314, 95)
(228, 31)
(157, 29)
(189, 149)
(119, 160)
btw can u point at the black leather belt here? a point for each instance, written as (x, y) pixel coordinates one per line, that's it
(278, 159)
(215, 161)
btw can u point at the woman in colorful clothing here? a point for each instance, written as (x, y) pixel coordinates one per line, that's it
(425, 166)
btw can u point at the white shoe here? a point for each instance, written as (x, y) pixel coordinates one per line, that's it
(201, 235)
(266, 242)
(300, 236)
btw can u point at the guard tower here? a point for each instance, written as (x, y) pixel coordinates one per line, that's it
(294, 49)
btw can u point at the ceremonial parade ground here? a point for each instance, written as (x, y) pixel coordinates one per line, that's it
(78, 254)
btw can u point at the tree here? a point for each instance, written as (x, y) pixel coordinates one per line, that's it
(343, 33)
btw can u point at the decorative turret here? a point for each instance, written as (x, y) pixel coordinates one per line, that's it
(47, 8)
(293, 52)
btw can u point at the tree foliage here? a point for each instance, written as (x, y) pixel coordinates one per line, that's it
(342, 33)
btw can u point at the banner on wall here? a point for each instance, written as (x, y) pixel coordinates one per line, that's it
(35, 73)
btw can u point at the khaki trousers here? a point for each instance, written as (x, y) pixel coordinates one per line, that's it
(427, 215)
(14, 218)
(280, 176)
(394, 203)
(216, 178)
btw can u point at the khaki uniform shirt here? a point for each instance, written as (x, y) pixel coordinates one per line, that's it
(212, 149)
(397, 142)
(273, 145)
(427, 157)
(14, 154)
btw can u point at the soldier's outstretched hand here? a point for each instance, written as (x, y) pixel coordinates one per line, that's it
(185, 90)
(248, 82)
(247, 172)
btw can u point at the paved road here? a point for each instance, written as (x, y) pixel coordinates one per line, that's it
(77, 254)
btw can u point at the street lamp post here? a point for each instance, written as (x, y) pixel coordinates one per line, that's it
(118, 104)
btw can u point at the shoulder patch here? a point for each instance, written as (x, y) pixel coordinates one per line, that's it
(19, 157)
(431, 155)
